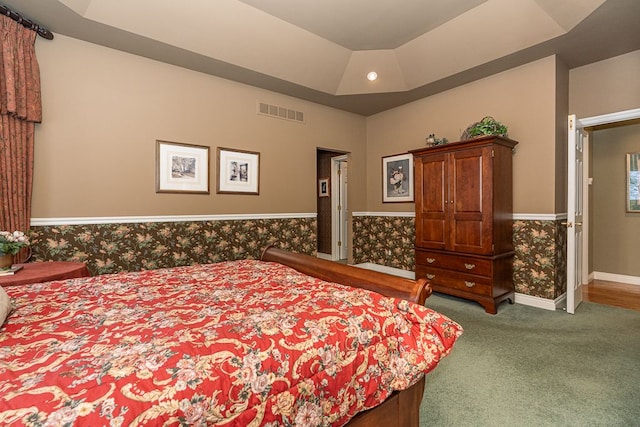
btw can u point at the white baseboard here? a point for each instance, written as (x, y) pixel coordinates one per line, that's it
(620, 278)
(544, 303)
(322, 255)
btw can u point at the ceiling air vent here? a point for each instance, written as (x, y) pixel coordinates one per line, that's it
(280, 112)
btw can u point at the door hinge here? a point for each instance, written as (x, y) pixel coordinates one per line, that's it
(339, 244)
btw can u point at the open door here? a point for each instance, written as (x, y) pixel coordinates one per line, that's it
(577, 141)
(340, 216)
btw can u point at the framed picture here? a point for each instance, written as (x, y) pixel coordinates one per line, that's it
(323, 187)
(397, 178)
(181, 168)
(238, 171)
(633, 182)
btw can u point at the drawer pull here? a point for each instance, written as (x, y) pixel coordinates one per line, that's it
(431, 260)
(430, 276)
(469, 284)
(470, 266)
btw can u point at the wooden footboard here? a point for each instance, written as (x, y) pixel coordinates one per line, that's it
(401, 409)
(385, 284)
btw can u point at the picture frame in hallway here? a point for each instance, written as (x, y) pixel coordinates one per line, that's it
(238, 171)
(633, 182)
(323, 187)
(182, 168)
(397, 178)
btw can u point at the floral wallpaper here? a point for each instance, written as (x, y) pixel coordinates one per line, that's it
(539, 263)
(539, 267)
(384, 240)
(111, 248)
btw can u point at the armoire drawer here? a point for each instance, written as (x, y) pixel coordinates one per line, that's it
(452, 279)
(461, 263)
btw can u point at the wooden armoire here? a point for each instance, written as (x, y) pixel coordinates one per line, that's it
(464, 219)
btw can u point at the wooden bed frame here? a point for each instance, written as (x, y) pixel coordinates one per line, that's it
(401, 408)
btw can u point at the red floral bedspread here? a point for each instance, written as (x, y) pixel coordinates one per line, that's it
(234, 344)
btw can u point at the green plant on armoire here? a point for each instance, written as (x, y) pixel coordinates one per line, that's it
(486, 126)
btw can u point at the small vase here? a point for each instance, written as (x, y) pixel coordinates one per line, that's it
(6, 261)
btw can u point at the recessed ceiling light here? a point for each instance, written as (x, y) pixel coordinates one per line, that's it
(372, 75)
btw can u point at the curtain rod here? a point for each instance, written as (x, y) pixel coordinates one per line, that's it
(27, 23)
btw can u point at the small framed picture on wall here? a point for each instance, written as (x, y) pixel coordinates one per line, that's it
(323, 187)
(181, 168)
(397, 178)
(238, 171)
(633, 182)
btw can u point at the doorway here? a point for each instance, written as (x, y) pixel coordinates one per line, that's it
(594, 125)
(615, 221)
(333, 218)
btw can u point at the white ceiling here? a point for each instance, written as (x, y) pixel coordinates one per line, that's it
(366, 24)
(321, 50)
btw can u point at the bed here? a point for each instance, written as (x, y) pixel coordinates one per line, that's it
(286, 340)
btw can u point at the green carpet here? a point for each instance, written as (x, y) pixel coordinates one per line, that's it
(527, 366)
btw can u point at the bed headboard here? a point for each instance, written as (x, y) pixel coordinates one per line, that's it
(385, 284)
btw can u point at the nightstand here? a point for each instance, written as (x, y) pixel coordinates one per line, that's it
(36, 272)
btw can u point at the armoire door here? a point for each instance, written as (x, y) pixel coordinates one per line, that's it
(431, 176)
(470, 201)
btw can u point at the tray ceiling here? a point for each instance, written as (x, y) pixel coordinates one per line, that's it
(321, 51)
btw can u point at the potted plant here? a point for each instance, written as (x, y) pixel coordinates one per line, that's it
(486, 126)
(10, 245)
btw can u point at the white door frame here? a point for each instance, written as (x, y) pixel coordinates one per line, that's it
(581, 124)
(339, 210)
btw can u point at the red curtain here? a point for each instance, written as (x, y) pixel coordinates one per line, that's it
(20, 109)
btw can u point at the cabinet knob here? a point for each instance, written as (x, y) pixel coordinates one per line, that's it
(470, 266)
(469, 284)
(431, 260)
(430, 276)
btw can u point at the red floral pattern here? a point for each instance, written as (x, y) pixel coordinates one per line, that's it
(234, 343)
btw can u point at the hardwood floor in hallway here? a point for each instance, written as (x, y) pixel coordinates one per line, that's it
(612, 293)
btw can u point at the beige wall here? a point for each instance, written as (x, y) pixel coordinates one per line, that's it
(605, 87)
(523, 98)
(562, 132)
(615, 232)
(104, 110)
